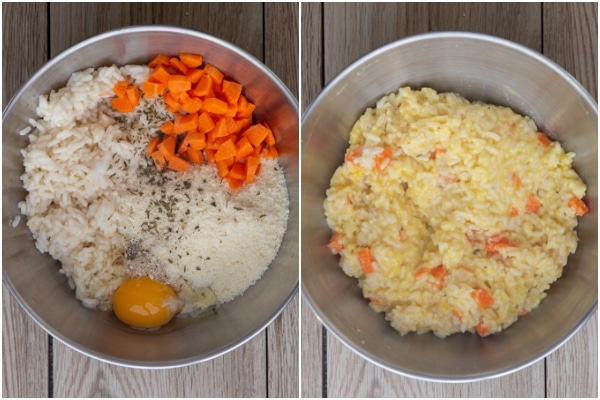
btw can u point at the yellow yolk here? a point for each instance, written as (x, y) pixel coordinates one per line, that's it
(145, 303)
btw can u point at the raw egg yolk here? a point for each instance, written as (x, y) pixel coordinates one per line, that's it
(145, 303)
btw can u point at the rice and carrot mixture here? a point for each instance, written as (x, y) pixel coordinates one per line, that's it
(454, 216)
(97, 203)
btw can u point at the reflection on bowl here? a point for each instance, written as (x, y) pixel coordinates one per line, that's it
(481, 68)
(34, 278)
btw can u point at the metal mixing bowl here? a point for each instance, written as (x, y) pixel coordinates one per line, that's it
(480, 68)
(34, 279)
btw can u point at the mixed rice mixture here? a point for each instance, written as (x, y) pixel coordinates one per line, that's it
(454, 216)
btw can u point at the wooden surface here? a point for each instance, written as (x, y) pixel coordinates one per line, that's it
(335, 35)
(36, 365)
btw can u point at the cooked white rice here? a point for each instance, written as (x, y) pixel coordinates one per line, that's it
(469, 201)
(96, 203)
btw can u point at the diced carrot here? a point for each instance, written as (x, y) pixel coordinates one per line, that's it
(516, 180)
(195, 156)
(215, 106)
(270, 139)
(120, 89)
(214, 73)
(231, 111)
(252, 168)
(195, 75)
(171, 101)
(433, 154)
(191, 104)
(191, 60)
(167, 128)
(178, 164)
(220, 129)
(242, 123)
(270, 152)
(577, 205)
(213, 143)
(152, 145)
(483, 298)
(184, 123)
(167, 147)
(159, 160)
(256, 134)
(482, 330)
(234, 183)
(226, 150)
(365, 259)
(231, 91)
(243, 148)
(245, 108)
(497, 242)
(223, 167)
(160, 59)
(153, 89)
(122, 104)
(353, 154)
(178, 65)
(513, 212)
(133, 94)
(179, 83)
(382, 159)
(203, 87)
(161, 74)
(238, 171)
(533, 204)
(457, 314)
(205, 122)
(196, 140)
(210, 155)
(544, 139)
(438, 273)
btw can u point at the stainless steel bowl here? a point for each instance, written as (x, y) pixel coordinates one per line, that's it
(480, 68)
(33, 278)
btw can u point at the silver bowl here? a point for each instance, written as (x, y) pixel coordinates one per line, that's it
(34, 279)
(482, 68)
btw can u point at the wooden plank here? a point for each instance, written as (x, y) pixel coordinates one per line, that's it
(349, 375)
(281, 33)
(312, 53)
(24, 344)
(237, 23)
(282, 42)
(24, 352)
(352, 30)
(283, 349)
(571, 40)
(24, 44)
(519, 22)
(311, 331)
(311, 360)
(240, 373)
(572, 370)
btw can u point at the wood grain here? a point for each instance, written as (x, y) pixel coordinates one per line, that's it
(265, 366)
(24, 344)
(567, 33)
(311, 71)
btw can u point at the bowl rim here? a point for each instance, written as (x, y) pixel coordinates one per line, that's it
(83, 349)
(448, 35)
(344, 339)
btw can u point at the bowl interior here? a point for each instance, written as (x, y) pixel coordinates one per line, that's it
(33, 278)
(480, 68)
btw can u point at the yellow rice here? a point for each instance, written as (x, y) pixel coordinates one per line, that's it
(449, 213)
